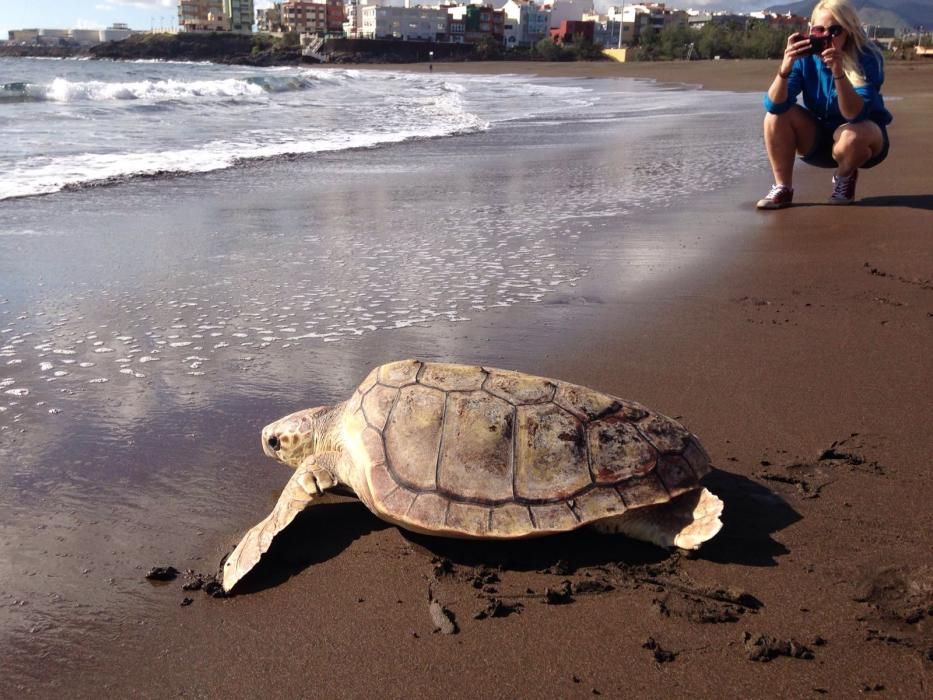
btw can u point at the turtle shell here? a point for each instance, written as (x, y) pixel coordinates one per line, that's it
(469, 451)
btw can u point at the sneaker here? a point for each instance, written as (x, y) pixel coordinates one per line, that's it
(779, 197)
(844, 188)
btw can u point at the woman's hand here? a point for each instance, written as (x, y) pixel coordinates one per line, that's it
(797, 45)
(833, 60)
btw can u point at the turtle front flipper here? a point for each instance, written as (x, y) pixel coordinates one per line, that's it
(310, 480)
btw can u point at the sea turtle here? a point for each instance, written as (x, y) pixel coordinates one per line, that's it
(477, 452)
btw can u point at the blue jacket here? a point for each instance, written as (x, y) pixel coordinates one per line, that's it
(813, 78)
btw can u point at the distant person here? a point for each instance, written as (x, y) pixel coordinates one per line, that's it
(842, 123)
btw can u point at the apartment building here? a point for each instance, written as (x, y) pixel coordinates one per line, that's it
(477, 21)
(526, 22)
(240, 13)
(270, 19)
(202, 16)
(353, 9)
(304, 17)
(405, 23)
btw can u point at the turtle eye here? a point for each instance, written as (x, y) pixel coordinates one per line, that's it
(273, 442)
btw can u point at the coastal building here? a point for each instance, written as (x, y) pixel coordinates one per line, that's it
(526, 22)
(116, 32)
(476, 22)
(305, 17)
(405, 23)
(202, 16)
(334, 16)
(23, 36)
(353, 22)
(570, 30)
(240, 14)
(70, 37)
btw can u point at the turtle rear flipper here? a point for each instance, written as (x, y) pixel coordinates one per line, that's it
(308, 482)
(685, 522)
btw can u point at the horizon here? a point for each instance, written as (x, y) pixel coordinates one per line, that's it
(146, 15)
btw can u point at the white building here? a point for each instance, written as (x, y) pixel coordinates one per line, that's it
(353, 26)
(525, 23)
(406, 23)
(116, 32)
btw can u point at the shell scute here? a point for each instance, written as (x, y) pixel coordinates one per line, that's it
(557, 516)
(675, 473)
(377, 403)
(582, 402)
(398, 374)
(643, 491)
(550, 453)
(452, 377)
(382, 482)
(617, 450)
(370, 381)
(468, 518)
(429, 511)
(476, 449)
(413, 435)
(598, 503)
(665, 434)
(697, 457)
(510, 520)
(518, 388)
(397, 503)
(355, 402)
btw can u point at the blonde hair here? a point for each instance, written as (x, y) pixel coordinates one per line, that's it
(857, 41)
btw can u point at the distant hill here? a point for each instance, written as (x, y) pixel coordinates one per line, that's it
(900, 14)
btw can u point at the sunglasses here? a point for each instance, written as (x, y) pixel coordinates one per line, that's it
(833, 30)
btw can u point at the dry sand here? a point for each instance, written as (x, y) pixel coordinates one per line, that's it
(799, 352)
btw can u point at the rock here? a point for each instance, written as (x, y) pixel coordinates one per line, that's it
(662, 656)
(444, 620)
(561, 595)
(162, 573)
(758, 647)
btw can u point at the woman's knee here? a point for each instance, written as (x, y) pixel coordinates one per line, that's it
(858, 139)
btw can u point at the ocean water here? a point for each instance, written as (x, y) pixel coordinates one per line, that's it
(188, 251)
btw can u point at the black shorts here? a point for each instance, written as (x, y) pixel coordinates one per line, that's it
(821, 155)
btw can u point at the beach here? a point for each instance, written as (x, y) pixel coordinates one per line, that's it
(794, 343)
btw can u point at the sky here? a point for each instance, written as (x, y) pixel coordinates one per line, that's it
(147, 14)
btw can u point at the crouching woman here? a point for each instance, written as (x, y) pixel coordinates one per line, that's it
(842, 123)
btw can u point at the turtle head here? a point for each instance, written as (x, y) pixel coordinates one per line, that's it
(293, 438)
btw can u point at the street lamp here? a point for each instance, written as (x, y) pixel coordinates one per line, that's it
(430, 61)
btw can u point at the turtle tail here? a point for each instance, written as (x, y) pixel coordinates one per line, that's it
(685, 522)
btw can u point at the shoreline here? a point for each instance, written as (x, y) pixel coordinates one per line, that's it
(775, 336)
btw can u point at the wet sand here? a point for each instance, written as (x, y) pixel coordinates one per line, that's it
(794, 343)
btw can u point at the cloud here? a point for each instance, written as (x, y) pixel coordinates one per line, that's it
(139, 4)
(88, 24)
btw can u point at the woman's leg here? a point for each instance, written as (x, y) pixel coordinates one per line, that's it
(786, 135)
(855, 144)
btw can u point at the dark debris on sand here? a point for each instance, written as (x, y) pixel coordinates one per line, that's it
(661, 655)
(497, 608)
(759, 647)
(162, 573)
(810, 476)
(900, 607)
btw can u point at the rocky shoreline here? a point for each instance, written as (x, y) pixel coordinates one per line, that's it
(252, 50)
